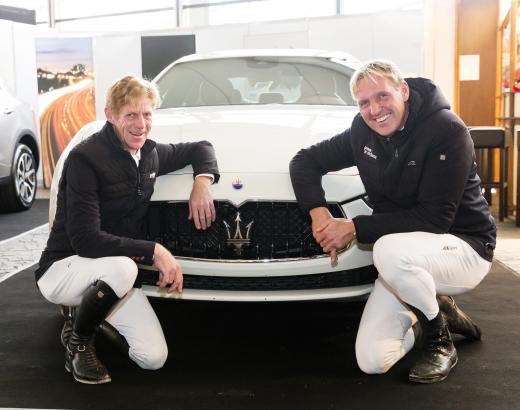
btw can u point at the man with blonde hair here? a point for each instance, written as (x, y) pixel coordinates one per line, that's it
(98, 233)
(432, 231)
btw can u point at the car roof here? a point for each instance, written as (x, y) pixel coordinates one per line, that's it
(340, 56)
(277, 52)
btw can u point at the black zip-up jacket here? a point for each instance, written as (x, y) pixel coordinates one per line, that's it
(422, 178)
(103, 196)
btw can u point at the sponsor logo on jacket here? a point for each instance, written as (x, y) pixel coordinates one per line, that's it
(368, 152)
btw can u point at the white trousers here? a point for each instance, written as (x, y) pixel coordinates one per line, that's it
(66, 281)
(413, 268)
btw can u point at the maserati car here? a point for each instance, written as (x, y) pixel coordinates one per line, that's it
(19, 153)
(258, 108)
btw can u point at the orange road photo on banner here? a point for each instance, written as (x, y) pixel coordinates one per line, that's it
(65, 94)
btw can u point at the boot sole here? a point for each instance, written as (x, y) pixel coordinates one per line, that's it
(431, 380)
(86, 381)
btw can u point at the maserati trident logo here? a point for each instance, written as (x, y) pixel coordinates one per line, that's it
(238, 239)
(237, 183)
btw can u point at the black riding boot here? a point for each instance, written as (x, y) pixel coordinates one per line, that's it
(438, 355)
(67, 312)
(105, 329)
(111, 334)
(81, 358)
(458, 321)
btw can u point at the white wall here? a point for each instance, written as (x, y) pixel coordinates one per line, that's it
(397, 36)
(18, 62)
(114, 56)
(439, 44)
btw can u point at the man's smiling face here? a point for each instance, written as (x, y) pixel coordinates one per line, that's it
(382, 104)
(133, 122)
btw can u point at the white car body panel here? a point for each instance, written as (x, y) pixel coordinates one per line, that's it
(352, 292)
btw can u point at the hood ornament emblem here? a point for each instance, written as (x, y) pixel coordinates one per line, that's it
(239, 239)
(237, 183)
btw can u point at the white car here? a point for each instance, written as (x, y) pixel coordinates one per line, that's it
(19, 153)
(258, 108)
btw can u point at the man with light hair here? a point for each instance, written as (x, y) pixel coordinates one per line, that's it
(99, 234)
(432, 231)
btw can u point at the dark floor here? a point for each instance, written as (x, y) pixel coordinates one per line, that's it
(254, 356)
(15, 223)
(258, 356)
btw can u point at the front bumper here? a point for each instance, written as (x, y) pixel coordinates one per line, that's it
(299, 279)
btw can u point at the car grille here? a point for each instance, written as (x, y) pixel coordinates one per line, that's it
(352, 277)
(252, 231)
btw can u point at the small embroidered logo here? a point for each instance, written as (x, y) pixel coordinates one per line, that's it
(449, 248)
(152, 175)
(411, 164)
(442, 157)
(368, 152)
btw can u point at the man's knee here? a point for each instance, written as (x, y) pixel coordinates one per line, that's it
(151, 358)
(120, 275)
(372, 358)
(390, 258)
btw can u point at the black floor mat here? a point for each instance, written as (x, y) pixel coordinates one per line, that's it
(258, 356)
(15, 223)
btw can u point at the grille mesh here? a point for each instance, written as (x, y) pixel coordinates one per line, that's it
(329, 280)
(279, 230)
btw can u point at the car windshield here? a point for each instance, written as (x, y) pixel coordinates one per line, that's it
(256, 80)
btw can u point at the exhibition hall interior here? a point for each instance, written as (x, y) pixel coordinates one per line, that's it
(260, 204)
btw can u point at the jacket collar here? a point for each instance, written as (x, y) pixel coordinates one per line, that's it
(108, 131)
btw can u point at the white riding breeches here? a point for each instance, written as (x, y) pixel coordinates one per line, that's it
(413, 268)
(66, 281)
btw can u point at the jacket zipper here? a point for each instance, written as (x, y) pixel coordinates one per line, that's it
(139, 191)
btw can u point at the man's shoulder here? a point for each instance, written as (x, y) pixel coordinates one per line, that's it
(94, 150)
(446, 121)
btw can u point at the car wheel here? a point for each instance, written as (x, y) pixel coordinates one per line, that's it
(20, 193)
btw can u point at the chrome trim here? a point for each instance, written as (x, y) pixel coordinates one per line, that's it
(285, 201)
(186, 258)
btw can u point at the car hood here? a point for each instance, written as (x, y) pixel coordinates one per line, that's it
(253, 139)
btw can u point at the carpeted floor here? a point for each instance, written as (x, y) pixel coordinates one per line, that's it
(258, 356)
(15, 223)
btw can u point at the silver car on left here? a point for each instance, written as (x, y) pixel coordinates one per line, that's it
(19, 153)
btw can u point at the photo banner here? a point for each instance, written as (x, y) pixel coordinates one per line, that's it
(66, 100)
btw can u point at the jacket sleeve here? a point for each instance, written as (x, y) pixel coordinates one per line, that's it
(83, 221)
(310, 164)
(200, 155)
(444, 176)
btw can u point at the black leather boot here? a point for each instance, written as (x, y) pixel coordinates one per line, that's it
(111, 334)
(105, 329)
(438, 355)
(67, 312)
(81, 359)
(458, 321)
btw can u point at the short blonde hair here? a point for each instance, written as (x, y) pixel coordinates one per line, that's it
(129, 89)
(376, 68)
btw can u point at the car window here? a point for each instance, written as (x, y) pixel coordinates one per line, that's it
(256, 80)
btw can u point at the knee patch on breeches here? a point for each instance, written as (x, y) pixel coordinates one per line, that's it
(120, 275)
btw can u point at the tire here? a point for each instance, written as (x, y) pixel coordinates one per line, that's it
(20, 192)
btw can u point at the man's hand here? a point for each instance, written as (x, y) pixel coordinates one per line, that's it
(202, 209)
(170, 272)
(332, 234)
